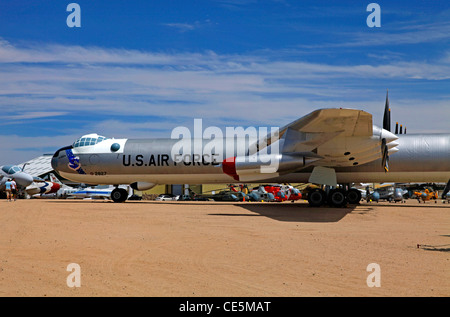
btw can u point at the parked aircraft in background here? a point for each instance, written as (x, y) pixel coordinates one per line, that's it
(387, 192)
(167, 197)
(426, 195)
(41, 187)
(283, 192)
(261, 194)
(64, 190)
(21, 178)
(326, 147)
(96, 192)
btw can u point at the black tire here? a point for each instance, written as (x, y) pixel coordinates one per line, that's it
(317, 197)
(337, 198)
(119, 195)
(353, 196)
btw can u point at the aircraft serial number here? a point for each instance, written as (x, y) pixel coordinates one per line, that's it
(100, 173)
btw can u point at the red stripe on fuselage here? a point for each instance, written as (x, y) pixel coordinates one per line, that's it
(229, 167)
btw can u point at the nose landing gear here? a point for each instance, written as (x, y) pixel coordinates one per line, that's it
(119, 195)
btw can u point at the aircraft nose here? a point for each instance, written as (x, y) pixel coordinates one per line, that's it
(59, 157)
(23, 179)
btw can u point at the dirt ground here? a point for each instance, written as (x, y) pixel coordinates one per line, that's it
(146, 248)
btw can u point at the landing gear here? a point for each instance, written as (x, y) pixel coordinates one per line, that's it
(336, 197)
(119, 195)
(353, 196)
(317, 197)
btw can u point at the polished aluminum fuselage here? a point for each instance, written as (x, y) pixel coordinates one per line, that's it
(420, 158)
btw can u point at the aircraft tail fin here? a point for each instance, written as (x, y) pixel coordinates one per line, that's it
(54, 179)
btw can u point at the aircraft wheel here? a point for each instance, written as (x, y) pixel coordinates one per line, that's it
(119, 195)
(336, 197)
(317, 198)
(353, 196)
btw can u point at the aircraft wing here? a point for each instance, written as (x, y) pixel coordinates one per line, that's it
(350, 122)
(322, 126)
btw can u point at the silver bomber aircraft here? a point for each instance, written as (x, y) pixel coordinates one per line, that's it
(327, 146)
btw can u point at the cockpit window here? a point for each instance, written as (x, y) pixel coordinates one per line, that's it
(87, 141)
(11, 169)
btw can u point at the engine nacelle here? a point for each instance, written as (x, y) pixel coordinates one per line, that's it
(254, 167)
(142, 185)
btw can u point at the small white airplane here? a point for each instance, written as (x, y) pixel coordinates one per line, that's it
(82, 192)
(21, 178)
(97, 192)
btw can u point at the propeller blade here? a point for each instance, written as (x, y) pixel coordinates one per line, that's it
(387, 114)
(385, 155)
(386, 165)
(389, 120)
(396, 128)
(401, 129)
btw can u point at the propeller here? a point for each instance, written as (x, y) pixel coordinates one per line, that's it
(401, 129)
(385, 155)
(388, 138)
(386, 126)
(387, 114)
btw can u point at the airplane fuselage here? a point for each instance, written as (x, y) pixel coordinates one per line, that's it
(420, 158)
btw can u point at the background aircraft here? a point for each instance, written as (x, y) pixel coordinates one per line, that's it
(42, 187)
(12, 171)
(261, 194)
(283, 192)
(96, 192)
(387, 192)
(326, 147)
(426, 195)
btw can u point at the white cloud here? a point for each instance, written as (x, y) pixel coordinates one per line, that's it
(394, 34)
(182, 27)
(56, 81)
(32, 115)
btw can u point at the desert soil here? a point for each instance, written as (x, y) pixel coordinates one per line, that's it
(147, 248)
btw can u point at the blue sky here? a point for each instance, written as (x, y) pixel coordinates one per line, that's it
(141, 68)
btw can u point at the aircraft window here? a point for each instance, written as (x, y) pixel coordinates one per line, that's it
(12, 169)
(88, 141)
(6, 168)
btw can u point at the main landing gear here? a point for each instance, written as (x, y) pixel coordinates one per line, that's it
(336, 197)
